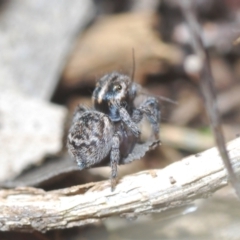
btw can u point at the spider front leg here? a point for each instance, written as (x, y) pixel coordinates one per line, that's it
(125, 117)
(150, 108)
(114, 158)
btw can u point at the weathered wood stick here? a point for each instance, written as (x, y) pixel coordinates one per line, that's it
(197, 176)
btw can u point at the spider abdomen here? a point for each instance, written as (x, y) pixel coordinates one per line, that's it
(89, 139)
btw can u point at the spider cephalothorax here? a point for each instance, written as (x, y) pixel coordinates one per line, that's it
(112, 91)
(114, 95)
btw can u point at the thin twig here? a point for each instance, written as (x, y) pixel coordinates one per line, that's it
(175, 186)
(206, 83)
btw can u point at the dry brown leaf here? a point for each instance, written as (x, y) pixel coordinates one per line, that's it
(107, 46)
(237, 41)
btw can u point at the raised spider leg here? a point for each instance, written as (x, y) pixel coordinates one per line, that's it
(114, 158)
(149, 108)
(128, 121)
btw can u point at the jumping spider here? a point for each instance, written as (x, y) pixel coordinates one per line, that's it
(111, 130)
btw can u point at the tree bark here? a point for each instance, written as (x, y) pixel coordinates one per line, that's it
(196, 176)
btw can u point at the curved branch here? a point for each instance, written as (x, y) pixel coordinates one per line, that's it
(150, 191)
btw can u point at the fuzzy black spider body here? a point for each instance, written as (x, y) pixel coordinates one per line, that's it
(93, 137)
(111, 130)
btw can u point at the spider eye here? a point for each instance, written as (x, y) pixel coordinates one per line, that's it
(117, 88)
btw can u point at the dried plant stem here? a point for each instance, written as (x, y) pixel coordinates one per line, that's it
(150, 191)
(207, 84)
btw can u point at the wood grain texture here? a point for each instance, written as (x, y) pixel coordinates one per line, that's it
(180, 183)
